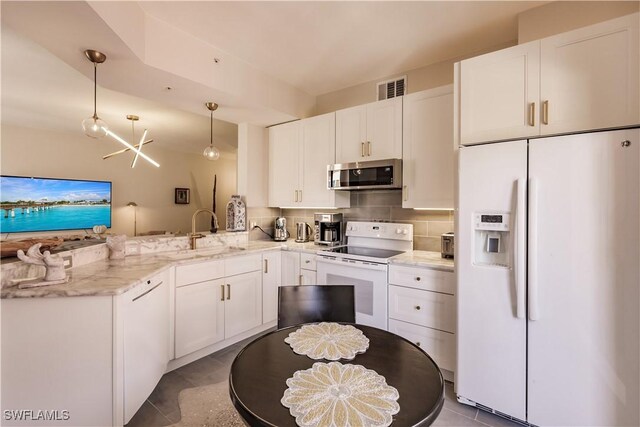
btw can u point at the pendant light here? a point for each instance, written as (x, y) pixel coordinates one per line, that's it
(211, 152)
(93, 126)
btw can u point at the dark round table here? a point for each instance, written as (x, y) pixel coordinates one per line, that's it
(259, 373)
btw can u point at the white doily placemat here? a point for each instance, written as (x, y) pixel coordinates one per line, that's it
(336, 395)
(330, 341)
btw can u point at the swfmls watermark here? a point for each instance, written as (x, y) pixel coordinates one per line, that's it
(36, 415)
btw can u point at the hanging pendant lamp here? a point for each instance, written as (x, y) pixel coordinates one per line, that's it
(93, 126)
(211, 152)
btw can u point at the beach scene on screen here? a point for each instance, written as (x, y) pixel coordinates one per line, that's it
(43, 204)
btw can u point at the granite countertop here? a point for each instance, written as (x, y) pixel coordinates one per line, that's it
(113, 277)
(423, 259)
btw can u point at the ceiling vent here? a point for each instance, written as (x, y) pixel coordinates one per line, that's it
(392, 88)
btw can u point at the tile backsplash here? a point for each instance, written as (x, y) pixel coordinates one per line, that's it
(374, 206)
(265, 218)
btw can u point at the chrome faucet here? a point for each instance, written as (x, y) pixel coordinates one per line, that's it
(195, 236)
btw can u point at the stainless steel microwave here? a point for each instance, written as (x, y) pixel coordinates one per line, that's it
(372, 175)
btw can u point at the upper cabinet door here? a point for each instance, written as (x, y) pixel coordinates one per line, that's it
(351, 134)
(499, 95)
(284, 164)
(589, 77)
(384, 130)
(427, 149)
(319, 151)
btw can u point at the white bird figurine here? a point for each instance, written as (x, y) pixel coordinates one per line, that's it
(53, 264)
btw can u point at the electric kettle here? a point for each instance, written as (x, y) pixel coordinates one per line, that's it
(303, 232)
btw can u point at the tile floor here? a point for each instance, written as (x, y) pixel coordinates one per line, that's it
(161, 409)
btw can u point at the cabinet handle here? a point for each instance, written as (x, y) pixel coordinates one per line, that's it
(300, 280)
(140, 296)
(417, 307)
(295, 195)
(545, 113)
(417, 278)
(221, 292)
(266, 266)
(228, 291)
(532, 114)
(300, 195)
(362, 149)
(368, 148)
(307, 261)
(404, 193)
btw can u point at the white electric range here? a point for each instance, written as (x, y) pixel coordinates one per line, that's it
(363, 262)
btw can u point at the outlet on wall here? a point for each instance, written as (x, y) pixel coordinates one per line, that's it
(253, 224)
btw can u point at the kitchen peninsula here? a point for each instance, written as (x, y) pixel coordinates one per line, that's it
(97, 345)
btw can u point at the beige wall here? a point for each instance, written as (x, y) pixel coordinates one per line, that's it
(430, 76)
(562, 16)
(34, 152)
(384, 206)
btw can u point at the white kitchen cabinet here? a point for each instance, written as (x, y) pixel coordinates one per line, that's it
(216, 309)
(290, 268)
(299, 153)
(369, 132)
(271, 280)
(298, 268)
(499, 94)
(97, 357)
(422, 309)
(284, 164)
(199, 316)
(319, 151)
(589, 77)
(243, 303)
(427, 149)
(584, 79)
(146, 340)
(308, 277)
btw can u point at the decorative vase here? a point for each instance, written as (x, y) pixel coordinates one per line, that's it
(236, 214)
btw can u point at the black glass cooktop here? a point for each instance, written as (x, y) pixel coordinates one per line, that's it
(370, 252)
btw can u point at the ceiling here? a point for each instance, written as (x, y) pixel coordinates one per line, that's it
(302, 48)
(323, 46)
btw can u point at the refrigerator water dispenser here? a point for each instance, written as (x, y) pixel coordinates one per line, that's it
(491, 239)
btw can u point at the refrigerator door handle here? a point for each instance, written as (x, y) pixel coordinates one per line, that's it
(520, 249)
(534, 309)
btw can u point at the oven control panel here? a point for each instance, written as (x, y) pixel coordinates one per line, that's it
(382, 230)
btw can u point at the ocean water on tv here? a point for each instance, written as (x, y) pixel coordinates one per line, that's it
(55, 218)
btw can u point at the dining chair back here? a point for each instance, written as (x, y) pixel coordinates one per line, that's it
(315, 303)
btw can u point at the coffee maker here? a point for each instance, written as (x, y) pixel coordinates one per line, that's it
(327, 229)
(280, 233)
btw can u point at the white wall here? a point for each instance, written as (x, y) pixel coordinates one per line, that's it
(36, 152)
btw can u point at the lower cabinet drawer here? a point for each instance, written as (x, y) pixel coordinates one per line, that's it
(441, 346)
(308, 261)
(423, 308)
(423, 278)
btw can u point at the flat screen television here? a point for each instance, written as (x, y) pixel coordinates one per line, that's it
(30, 204)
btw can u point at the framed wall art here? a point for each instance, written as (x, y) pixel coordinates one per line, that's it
(182, 196)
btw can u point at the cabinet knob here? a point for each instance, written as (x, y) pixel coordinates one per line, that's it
(417, 307)
(417, 278)
(307, 262)
(418, 343)
(148, 281)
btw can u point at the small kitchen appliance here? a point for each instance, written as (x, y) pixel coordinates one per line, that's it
(446, 245)
(303, 232)
(280, 233)
(364, 263)
(327, 229)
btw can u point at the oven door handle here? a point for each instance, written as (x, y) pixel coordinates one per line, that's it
(351, 263)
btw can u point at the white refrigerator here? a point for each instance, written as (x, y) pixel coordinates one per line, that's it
(548, 270)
